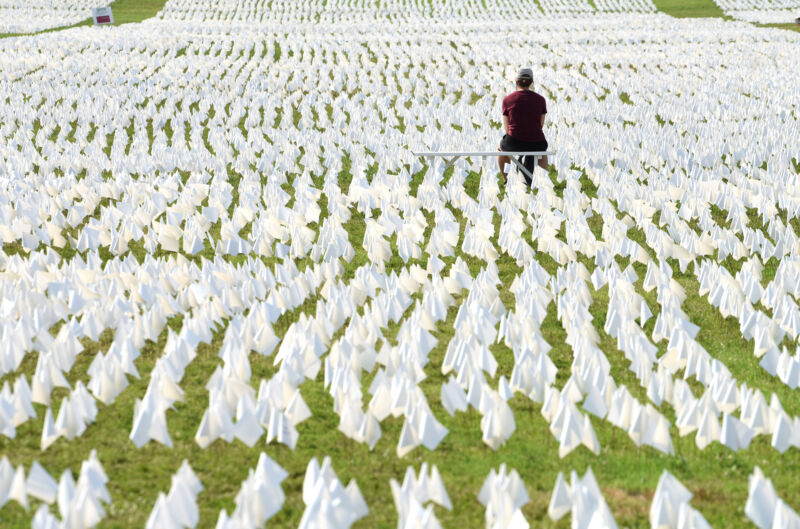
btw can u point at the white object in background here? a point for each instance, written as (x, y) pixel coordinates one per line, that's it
(260, 496)
(78, 504)
(765, 508)
(735, 434)
(584, 499)
(179, 508)
(40, 484)
(670, 508)
(410, 498)
(561, 500)
(328, 502)
(16, 488)
(149, 420)
(503, 494)
(102, 15)
(6, 476)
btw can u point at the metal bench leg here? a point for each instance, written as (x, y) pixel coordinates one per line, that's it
(452, 160)
(447, 163)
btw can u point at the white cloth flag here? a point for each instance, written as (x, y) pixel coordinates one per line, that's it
(764, 507)
(582, 497)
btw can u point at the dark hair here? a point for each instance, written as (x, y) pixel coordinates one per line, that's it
(524, 83)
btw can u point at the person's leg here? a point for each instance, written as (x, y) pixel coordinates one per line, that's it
(528, 162)
(542, 147)
(543, 163)
(503, 161)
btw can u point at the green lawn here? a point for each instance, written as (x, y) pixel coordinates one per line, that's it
(689, 8)
(626, 473)
(125, 12)
(791, 27)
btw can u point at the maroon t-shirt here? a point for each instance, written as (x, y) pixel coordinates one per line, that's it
(524, 109)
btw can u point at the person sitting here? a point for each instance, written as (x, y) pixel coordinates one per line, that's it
(523, 120)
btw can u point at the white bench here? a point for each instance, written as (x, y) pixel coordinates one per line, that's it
(451, 157)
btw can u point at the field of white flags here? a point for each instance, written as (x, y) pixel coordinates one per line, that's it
(27, 16)
(762, 11)
(233, 297)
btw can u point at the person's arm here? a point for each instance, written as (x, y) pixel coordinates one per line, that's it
(544, 112)
(505, 123)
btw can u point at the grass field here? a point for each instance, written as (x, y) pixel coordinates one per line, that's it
(689, 8)
(627, 474)
(790, 27)
(125, 12)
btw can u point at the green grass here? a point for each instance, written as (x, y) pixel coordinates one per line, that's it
(125, 12)
(627, 474)
(86, 22)
(790, 27)
(689, 8)
(705, 8)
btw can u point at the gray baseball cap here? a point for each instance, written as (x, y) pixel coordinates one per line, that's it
(525, 73)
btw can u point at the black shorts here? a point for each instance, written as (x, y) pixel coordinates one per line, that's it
(514, 145)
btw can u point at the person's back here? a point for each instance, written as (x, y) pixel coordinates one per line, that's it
(524, 109)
